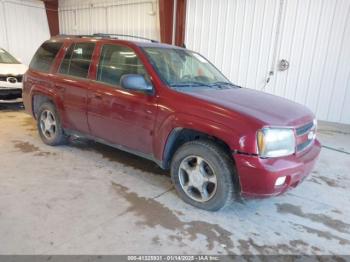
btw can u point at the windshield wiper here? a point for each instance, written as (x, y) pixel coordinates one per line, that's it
(188, 84)
(222, 83)
(198, 84)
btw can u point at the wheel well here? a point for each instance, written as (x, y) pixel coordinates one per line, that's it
(38, 100)
(180, 136)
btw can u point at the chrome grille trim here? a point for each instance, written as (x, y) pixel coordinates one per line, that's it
(304, 129)
(304, 145)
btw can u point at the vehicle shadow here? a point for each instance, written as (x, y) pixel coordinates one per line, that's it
(116, 155)
(11, 106)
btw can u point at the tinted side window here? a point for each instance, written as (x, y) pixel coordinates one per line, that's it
(45, 56)
(116, 61)
(64, 68)
(77, 60)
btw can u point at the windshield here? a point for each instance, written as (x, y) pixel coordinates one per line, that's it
(183, 68)
(6, 58)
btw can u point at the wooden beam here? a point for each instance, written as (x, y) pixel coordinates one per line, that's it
(180, 22)
(166, 17)
(166, 10)
(51, 7)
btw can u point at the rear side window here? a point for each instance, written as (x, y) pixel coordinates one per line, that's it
(116, 61)
(45, 56)
(77, 60)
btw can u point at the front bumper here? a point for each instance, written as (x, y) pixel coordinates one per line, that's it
(10, 95)
(258, 176)
(10, 92)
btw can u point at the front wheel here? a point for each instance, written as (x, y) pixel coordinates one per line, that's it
(49, 125)
(203, 175)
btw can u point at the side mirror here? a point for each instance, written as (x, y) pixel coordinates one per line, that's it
(136, 82)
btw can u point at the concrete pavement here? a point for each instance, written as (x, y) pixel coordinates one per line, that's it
(87, 198)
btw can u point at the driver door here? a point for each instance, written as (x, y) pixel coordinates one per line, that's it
(119, 116)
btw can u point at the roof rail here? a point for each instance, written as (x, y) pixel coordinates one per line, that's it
(122, 35)
(66, 35)
(103, 35)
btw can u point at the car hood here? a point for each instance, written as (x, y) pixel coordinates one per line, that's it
(266, 108)
(12, 69)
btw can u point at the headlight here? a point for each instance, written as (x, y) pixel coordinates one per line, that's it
(276, 142)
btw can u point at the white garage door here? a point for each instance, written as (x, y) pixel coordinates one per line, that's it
(132, 17)
(248, 40)
(23, 27)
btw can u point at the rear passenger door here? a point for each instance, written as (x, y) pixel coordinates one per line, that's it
(121, 116)
(73, 84)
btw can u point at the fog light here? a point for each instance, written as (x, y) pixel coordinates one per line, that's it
(280, 181)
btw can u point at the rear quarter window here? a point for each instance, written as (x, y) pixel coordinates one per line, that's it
(45, 56)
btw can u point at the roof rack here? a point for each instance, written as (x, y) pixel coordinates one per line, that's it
(102, 35)
(66, 35)
(122, 35)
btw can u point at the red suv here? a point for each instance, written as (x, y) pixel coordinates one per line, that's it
(172, 106)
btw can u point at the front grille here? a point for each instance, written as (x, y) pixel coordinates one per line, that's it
(10, 94)
(303, 140)
(18, 77)
(304, 129)
(302, 146)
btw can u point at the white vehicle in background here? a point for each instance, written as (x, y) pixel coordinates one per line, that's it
(11, 74)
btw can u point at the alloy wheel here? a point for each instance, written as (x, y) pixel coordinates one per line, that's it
(48, 124)
(197, 178)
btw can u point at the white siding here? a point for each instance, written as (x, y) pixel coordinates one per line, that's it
(247, 39)
(23, 27)
(133, 17)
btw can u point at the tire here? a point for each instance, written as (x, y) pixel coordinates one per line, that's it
(204, 159)
(55, 135)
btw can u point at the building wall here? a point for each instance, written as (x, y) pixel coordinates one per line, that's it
(133, 17)
(23, 27)
(247, 40)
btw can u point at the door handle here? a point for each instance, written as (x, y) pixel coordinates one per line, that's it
(61, 88)
(98, 96)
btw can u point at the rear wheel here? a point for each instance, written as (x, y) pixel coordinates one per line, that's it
(49, 125)
(203, 175)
